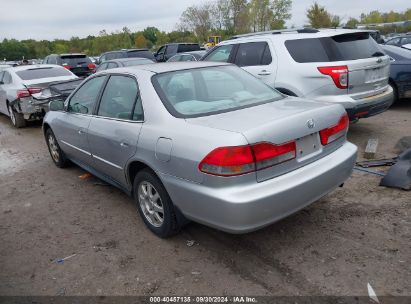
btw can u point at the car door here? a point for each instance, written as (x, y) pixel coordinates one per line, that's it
(71, 126)
(113, 133)
(256, 58)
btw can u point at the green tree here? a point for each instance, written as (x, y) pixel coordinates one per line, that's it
(318, 16)
(150, 33)
(352, 23)
(281, 11)
(140, 41)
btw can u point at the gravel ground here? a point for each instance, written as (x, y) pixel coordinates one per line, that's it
(356, 235)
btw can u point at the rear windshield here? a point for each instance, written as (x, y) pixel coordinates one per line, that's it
(142, 54)
(188, 47)
(351, 46)
(43, 73)
(74, 60)
(211, 90)
(136, 62)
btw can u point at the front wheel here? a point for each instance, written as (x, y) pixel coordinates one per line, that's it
(17, 119)
(57, 155)
(154, 204)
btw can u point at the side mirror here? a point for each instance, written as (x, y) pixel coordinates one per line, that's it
(56, 105)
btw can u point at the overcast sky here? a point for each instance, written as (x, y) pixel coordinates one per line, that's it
(50, 19)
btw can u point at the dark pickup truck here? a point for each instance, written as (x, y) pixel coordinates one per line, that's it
(167, 51)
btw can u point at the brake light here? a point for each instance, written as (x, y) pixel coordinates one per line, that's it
(27, 92)
(91, 66)
(339, 75)
(335, 132)
(66, 66)
(231, 161)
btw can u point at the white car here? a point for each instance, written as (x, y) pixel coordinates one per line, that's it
(21, 90)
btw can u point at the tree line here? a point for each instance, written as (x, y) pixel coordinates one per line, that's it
(197, 22)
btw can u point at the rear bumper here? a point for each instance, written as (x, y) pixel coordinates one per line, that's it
(244, 208)
(362, 107)
(371, 106)
(30, 108)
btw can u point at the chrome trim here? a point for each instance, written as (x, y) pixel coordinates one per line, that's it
(74, 147)
(107, 162)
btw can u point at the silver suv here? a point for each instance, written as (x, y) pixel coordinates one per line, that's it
(333, 65)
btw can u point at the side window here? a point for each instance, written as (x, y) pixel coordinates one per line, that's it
(46, 60)
(6, 78)
(119, 98)
(175, 58)
(161, 50)
(171, 49)
(112, 65)
(220, 54)
(102, 67)
(394, 41)
(187, 58)
(267, 59)
(250, 54)
(406, 40)
(103, 58)
(85, 98)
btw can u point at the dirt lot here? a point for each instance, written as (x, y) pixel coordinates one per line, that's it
(355, 235)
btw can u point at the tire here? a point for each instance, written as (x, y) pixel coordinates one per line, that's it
(395, 92)
(154, 204)
(17, 119)
(57, 155)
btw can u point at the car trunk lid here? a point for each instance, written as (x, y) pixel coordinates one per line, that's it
(279, 122)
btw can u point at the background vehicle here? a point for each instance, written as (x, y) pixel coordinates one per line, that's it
(122, 62)
(126, 53)
(21, 91)
(333, 65)
(212, 41)
(188, 56)
(400, 71)
(167, 51)
(399, 40)
(245, 167)
(4, 66)
(78, 64)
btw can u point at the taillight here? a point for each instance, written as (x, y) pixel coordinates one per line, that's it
(231, 161)
(66, 66)
(27, 92)
(335, 132)
(339, 75)
(91, 66)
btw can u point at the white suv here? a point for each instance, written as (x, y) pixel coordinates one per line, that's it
(333, 65)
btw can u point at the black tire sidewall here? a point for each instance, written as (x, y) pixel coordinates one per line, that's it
(62, 158)
(170, 225)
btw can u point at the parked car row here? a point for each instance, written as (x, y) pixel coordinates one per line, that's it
(253, 132)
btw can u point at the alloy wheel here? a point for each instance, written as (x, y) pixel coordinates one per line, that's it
(150, 203)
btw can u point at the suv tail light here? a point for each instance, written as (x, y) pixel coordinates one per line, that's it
(231, 161)
(66, 66)
(28, 92)
(333, 133)
(339, 74)
(91, 66)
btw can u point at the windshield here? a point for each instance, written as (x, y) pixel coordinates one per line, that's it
(211, 90)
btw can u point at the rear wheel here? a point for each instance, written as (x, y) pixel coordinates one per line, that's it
(17, 119)
(154, 204)
(57, 155)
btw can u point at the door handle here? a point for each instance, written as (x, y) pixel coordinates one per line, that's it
(264, 73)
(124, 144)
(81, 132)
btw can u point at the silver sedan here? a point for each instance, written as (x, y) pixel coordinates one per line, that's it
(201, 141)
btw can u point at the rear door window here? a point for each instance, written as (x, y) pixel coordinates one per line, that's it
(220, 54)
(343, 47)
(252, 54)
(394, 41)
(118, 98)
(7, 78)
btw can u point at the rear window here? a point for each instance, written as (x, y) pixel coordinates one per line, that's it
(143, 54)
(188, 48)
(136, 62)
(75, 60)
(43, 73)
(211, 90)
(351, 46)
